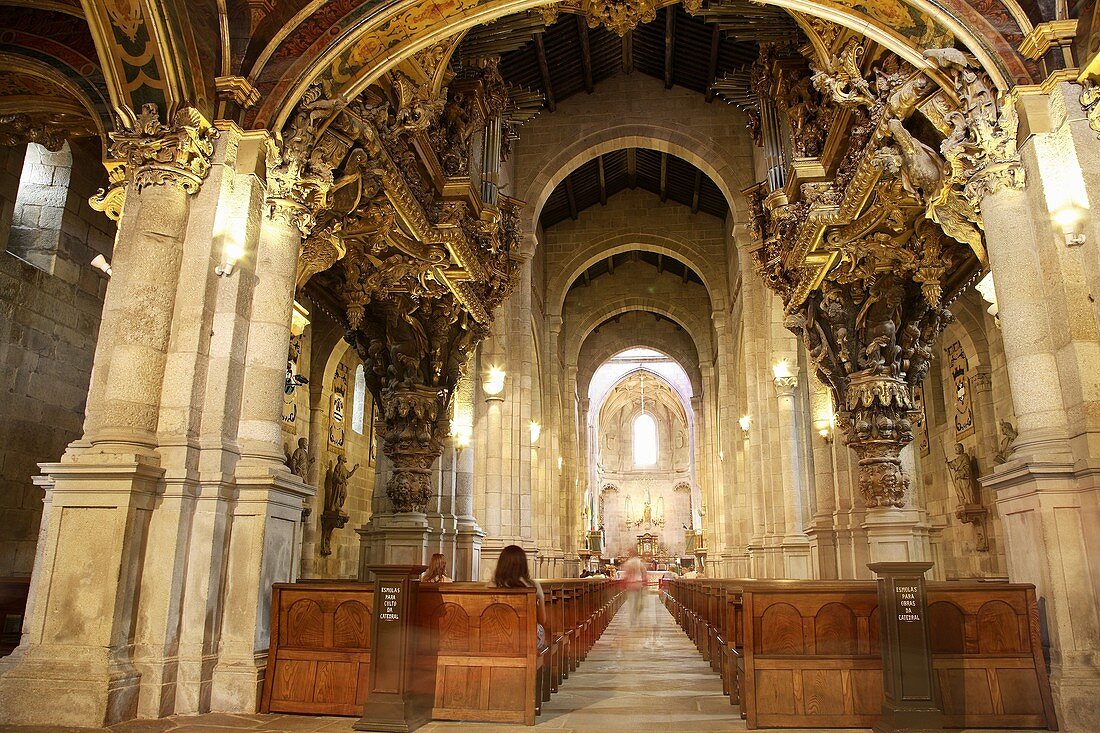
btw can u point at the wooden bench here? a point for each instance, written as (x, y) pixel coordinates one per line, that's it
(806, 653)
(475, 650)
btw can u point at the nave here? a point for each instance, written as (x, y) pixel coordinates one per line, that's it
(643, 674)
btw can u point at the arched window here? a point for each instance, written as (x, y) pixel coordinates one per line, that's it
(359, 401)
(645, 441)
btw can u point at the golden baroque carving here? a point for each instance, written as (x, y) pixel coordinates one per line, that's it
(158, 154)
(1090, 101)
(111, 199)
(299, 175)
(620, 16)
(21, 128)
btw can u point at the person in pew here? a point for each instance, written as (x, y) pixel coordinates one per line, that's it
(437, 570)
(512, 572)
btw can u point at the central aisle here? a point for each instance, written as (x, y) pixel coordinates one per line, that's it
(643, 674)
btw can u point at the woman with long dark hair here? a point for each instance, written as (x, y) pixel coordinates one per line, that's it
(437, 570)
(512, 572)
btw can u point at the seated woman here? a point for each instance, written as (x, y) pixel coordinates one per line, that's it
(437, 570)
(512, 572)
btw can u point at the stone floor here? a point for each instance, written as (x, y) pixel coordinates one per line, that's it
(642, 675)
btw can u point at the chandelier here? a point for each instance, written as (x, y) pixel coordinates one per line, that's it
(620, 16)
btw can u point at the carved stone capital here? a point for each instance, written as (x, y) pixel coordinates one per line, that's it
(785, 386)
(156, 154)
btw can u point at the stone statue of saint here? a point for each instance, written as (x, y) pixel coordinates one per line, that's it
(1004, 449)
(962, 474)
(300, 460)
(337, 492)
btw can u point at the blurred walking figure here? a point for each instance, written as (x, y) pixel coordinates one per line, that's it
(634, 577)
(437, 570)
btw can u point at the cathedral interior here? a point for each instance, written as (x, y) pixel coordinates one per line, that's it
(294, 290)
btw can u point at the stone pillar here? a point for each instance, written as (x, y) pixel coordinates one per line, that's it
(796, 549)
(267, 514)
(468, 533)
(820, 530)
(1046, 494)
(77, 636)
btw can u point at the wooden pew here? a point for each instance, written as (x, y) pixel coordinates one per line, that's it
(988, 656)
(806, 653)
(320, 648)
(475, 651)
(482, 643)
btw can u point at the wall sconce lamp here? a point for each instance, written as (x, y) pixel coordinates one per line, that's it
(536, 431)
(744, 421)
(233, 252)
(1070, 218)
(561, 463)
(494, 381)
(824, 426)
(100, 262)
(460, 435)
(782, 370)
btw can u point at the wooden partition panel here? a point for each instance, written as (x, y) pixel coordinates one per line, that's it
(987, 656)
(482, 642)
(320, 648)
(811, 654)
(806, 653)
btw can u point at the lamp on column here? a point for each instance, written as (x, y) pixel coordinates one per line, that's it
(494, 381)
(460, 435)
(1070, 219)
(744, 421)
(233, 251)
(536, 431)
(100, 262)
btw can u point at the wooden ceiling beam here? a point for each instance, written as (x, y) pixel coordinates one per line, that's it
(544, 70)
(603, 180)
(670, 43)
(611, 265)
(628, 52)
(660, 263)
(697, 192)
(587, 279)
(570, 197)
(664, 177)
(712, 68)
(586, 53)
(632, 167)
(685, 278)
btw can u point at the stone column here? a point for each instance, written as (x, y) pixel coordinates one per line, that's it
(468, 533)
(821, 530)
(493, 518)
(796, 549)
(1046, 494)
(266, 519)
(78, 635)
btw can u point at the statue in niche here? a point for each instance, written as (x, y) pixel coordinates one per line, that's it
(647, 514)
(964, 477)
(300, 460)
(336, 493)
(1004, 449)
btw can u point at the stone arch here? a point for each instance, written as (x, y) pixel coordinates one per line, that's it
(349, 64)
(579, 332)
(637, 132)
(646, 339)
(678, 248)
